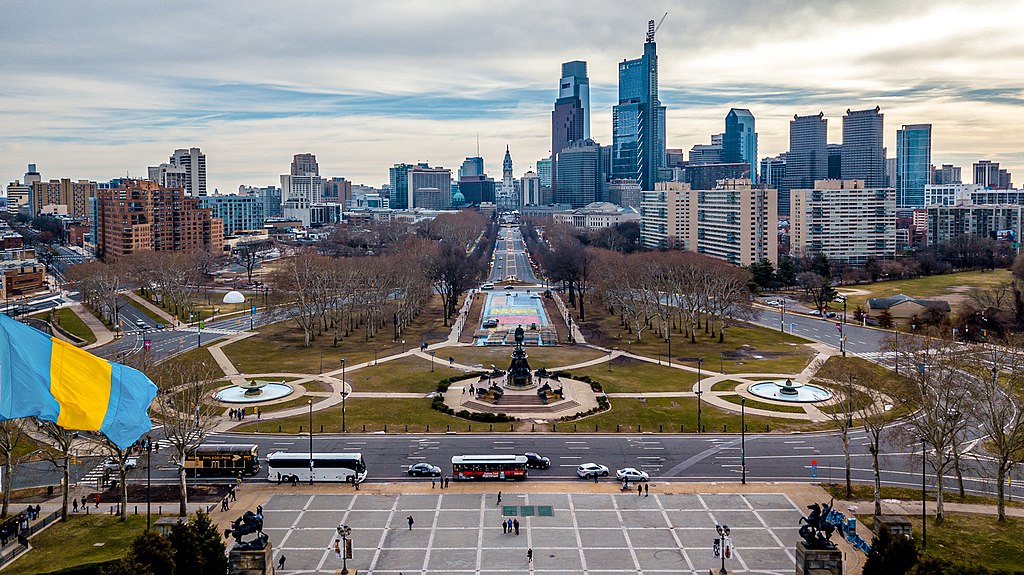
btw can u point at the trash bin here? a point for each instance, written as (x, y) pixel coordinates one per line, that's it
(49, 491)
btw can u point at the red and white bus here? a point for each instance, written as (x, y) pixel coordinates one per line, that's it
(500, 467)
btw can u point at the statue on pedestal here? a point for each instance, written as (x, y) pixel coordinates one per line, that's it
(818, 530)
(248, 524)
(519, 374)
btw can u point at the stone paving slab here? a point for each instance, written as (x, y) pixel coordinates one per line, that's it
(589, 533)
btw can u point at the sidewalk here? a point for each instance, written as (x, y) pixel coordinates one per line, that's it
(136, 298)
(103, 335)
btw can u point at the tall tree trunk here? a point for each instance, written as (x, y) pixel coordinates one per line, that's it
(1001, 493)
(183, 500)
(878, 478)
(7, 487)
(940, 513)
(959, 473)
(846, 457)
(65, 488)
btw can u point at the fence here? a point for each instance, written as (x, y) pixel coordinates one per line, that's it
(14, 549)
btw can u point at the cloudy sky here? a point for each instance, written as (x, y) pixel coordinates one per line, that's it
(101, 89)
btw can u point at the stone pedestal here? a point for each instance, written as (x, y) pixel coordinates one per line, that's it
(818, 561)
(894, 524)
(251, 561)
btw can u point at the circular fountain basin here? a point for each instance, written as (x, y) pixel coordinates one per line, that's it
(789, 391)
(253, 392)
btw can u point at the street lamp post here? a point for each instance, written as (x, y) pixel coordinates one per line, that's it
(723, 536)
(149, 477)
(310, 401)
(344, 394)
(344, 531)
(924, 498)
(782, 316)
(321, 363)
(743, 439)
(700, 427)
(721, 363)
(668, 340)
(842, 329)
(403, 346)
(432, 354)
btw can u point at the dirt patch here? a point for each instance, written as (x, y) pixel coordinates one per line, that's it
(206, 493)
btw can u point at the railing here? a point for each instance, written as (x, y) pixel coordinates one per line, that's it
(12, 550)
(838, 519)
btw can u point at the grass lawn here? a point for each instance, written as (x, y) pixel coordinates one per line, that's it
(74, 543)
(949, 286)
(405, 375)
(630, 375)
(374, 414)
(725, 385)
(969, 539)
(869, 375)
(865, 492)
(764, 405)
(279, 347)
(546, 357)
(71, 323)
(670, 412)
(314, 385)
(302, 401)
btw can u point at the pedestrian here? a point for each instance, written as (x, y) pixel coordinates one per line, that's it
(97, 500)
(447, 482)
(504, 526)
(471, 389)
(259, 413)
(499, 499)
(595, 478)
(280, 562)
(410, 520)
(84, 505)
(647, 490)
(515, 525)
(639, 489)
(432, 482)
(38, 509)
(22, 540)
(529, 555)
(74, 506)
(224, 504)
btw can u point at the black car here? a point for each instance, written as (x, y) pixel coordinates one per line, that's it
(535, 461)
(424, 470)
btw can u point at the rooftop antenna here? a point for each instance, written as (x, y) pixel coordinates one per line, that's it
(478, 144)
(652, 29)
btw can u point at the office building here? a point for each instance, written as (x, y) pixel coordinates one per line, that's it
(996, 221)
(863, 153)
(807, 159)
(579, 174)
(570, 120)
(913, 164)
(186, 168)
(140, 216)
(890, 173)
(713, 153)
(843, 220)
(706, 176)
(63, 196)
(638, 120)
(237, 212)
(20, 272)
(529, 188)
(625, 193)
(835, 161)
(478, 189)
(299, 192)
(666, 219)
(675, 158)
(739, 143)
(950, 194)
(270, 197)
(947, 174)
(544, 172)
(472, 166)
(772, 172)
(305, 165)
(399, 188)
(430, 186)
(19, 197)
(989, 174)
(596, 215)
(337, 191)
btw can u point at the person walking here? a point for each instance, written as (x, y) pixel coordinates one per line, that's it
(647, 490)
(639, 489)
(515, 525)
(411, 521)
(433, 483)
(499, 499)
(504, 526)
(529, 555)
(280, 561)
(509, 525)
(74, 506)
(97, 500)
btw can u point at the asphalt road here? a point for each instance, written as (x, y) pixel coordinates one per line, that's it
(510, 259)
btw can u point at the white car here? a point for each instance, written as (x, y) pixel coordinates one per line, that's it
(631, 474)
(591, 470)
(487, 285)
(111, 464)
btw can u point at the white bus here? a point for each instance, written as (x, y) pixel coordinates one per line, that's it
(285, 467)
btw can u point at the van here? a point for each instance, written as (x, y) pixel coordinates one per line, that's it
(139, 323)
(487, 285)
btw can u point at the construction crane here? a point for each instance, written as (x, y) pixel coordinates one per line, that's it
(652, 29)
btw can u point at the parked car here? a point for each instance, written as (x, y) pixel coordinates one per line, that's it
(631, 474)
(591, 470)
(424, 470)
(487, 285)
(537, 461)
(814, 312)
(831, 314)
(491, 323)
(110, 464)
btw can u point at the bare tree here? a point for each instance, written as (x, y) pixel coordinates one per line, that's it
(120, 458)
(842, 377)
(452, 274)
(10, 436)
(58, 452)
(250, 254)
(186, 411)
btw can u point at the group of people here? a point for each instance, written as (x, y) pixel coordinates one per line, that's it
(85, 503)
(510, 526)
(17, 527)
(144, 443)
(642, 489)
(443, 480)
(239, 413)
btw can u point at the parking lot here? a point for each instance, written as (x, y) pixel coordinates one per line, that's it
(591, 533)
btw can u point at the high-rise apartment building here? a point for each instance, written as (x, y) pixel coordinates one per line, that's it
(947, 174)
(186, 168)
(913, 164)
(529, 188)
(544, 172)
(570, 120)
(428, 187)
(666, 220)
(739, 143)
(337, 191)
(988, 174)
(72, 196)
(237, 212)
(807, 160)
(996, 221)
(140, 216)
(579, 174)
(301, 189)
(843, 220)
(270, 197)
(625, 193)
(863, 149)
(638, 120)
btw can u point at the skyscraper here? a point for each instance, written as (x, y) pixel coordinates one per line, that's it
(570, 120)
(863, 152)
(579, 173)
(947, 174)
(472, 166)
(305, 165)
(807, 160)
(186, 168)
(399, 192)
(835, 161)
(988, 174)
(739, 143)
(638, 121)
(913, 164)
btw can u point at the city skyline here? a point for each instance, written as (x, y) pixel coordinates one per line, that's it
(252, 87)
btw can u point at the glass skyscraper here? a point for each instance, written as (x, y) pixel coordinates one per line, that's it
(638, 121)
(570, 120)
(863, 154)
(913, 164)
(807, 160)
(739, 143)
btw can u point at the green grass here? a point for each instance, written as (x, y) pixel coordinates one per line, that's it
(954, 286)
(670, 412)
(546, 357)
(725, 385)
(755, 404)
(314, 385)
(629, 375)
(373, 413)
(71, 323)
(968, 539)
(865, 492)
(302, 401)
(405, 375)
(73, 543)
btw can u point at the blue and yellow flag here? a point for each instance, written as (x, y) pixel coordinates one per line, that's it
(44, 377)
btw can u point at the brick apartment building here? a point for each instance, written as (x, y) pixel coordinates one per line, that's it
(141, 216)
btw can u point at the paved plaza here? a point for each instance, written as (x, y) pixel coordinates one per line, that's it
(592, 533)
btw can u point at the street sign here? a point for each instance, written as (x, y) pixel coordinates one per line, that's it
(147, 344)
(348, 549)
(728, 548)
(716, 549)
(814, 468)
(252, 310)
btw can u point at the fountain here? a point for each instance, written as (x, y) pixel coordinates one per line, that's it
(789, 391)
(253, 392)
(519, 375)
